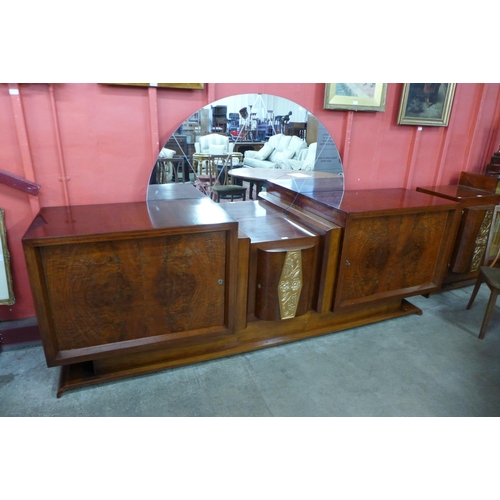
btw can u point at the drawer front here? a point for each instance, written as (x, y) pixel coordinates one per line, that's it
(285, 281)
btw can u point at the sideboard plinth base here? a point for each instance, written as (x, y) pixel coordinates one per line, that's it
(257, 335)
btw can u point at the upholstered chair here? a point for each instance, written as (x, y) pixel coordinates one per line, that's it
(213, 144)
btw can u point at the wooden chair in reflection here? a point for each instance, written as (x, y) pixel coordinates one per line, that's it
(170, 167)
(491, 276)
(222, 188)
(232, 191)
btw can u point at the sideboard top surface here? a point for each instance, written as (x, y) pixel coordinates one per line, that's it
(371, 201)
(311, 182)
(121, 218)
(275, 227)
(460, 193)
(384, 200)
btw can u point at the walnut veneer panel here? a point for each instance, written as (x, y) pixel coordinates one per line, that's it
(117, 291)
(391, 255)
(396, 242)
(470, 244)
(108, 279)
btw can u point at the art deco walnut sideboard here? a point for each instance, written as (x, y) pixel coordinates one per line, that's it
(132, 288)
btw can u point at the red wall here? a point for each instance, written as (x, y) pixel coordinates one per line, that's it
(93, 143)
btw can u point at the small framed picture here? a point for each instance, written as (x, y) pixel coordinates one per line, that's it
(195, 86)
(355, 96)
(426, 104)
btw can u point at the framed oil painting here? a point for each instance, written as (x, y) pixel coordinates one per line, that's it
(355, 96)
(426, 104)
(6, 291)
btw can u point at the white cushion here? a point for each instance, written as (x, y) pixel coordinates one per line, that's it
(302, 154)
(166, 153)
(297, 144)
(264, 152)
(206, 141)
(310, 159)
(293, 164)
(274, 140)
(278, 156)
(215, 149)
(254, 163)
(283, 143)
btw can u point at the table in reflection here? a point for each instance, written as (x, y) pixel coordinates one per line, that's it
(259, 176)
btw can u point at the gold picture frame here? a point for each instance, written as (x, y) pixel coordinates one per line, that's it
(355, 96)
(195, 86)
(426, 104)
(6, 289)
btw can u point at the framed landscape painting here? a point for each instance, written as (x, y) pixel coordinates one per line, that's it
(426, 104)
(355, 96)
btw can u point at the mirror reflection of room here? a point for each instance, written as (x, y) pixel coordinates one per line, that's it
(245, 131)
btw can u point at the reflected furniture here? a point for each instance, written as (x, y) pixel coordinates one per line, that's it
(167, 170)
(254, 176)
(181, 144)
(231, 191)
(213, 144)
(213, 168)
(207, 148)
(276, 152)
(156, 192)
(296, 128)
(132, 288)
(242, 146)
(259, 176)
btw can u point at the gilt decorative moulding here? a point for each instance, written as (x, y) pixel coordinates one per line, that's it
(290, 284)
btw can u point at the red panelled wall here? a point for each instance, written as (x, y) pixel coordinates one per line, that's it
(94, 143)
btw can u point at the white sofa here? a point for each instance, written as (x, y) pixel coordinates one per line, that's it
(282, 151)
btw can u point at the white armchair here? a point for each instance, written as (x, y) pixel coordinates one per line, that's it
(213, 144)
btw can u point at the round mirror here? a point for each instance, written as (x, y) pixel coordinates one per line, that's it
(234, 145)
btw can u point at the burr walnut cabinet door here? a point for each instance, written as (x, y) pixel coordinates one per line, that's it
(392, 255)
(111, 293)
